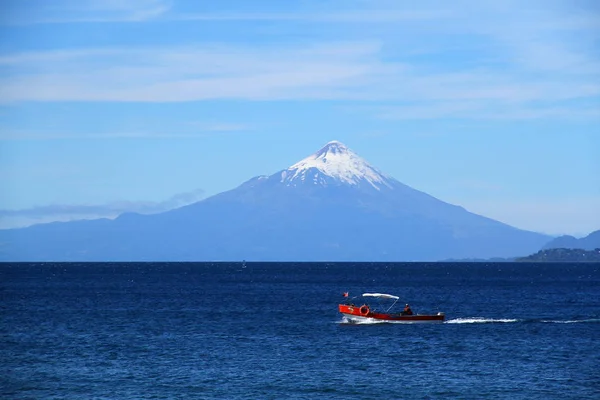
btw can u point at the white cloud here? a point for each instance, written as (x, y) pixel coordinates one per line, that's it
(70, 212)
(351, 16)
(32, 12)
(346, 71)
(163, 75)
(193, 129)
(468, 60)
(487, 110)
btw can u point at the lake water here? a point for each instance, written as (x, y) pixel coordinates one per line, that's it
(272, 331)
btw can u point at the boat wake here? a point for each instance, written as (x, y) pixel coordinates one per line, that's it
(372, 321)
(476, 320)
(369, 321)
(480, 320)
(577, 321)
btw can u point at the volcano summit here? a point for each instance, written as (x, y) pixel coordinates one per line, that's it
(334, 164)
(331, 206)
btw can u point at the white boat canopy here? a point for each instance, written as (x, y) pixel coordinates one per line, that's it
(381, 295)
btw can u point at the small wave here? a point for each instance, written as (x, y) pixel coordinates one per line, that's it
(577, 321)
(480, 320)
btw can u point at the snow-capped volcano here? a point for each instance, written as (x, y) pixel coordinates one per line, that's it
(331, 206)
(335, 163)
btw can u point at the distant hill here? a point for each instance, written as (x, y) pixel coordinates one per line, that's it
(331, 206)
(563, 255)
(590, 242)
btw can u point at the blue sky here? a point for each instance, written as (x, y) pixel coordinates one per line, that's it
(135, 104)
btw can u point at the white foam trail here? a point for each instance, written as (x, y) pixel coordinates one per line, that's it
(571, 321)
(372, 321)
(362, 322)
(471, 320)
(479, 320)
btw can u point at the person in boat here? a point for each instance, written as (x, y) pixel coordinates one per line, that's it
(407, 310)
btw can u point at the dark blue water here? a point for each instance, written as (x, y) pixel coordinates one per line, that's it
(272, 331)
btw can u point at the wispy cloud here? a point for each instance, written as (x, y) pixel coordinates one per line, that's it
(346, 71)
(185, 74)
(489, 109)
(193, 129)
(53, 213)
(471, 60)
(351, 16)
(32, 12)
(132, 11)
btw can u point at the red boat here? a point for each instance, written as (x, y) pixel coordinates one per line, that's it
(365, 312)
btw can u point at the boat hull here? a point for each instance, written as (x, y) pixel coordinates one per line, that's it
(365, 314)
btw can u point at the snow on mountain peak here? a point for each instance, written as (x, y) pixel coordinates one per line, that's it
(336, 161)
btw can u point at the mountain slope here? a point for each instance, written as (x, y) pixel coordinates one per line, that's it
(332, 206)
